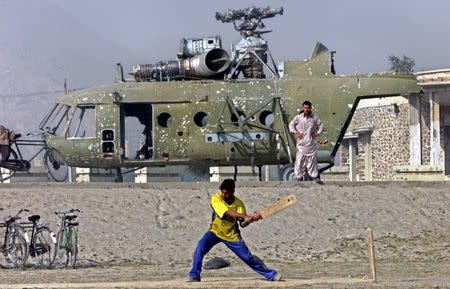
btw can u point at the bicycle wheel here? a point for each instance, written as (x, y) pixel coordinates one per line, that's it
(16, 249)
(43, 246)
(8, 173)
(73, 249)
(61, 255)
(56, 165)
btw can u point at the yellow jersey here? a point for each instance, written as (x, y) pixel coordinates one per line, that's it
(224, 226)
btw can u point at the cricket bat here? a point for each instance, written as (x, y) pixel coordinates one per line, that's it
(275, 207)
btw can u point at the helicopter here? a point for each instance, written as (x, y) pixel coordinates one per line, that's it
(212, 108)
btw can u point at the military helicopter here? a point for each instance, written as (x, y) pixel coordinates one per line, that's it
(212, 108)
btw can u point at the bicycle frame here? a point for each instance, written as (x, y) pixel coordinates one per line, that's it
(11, 223)
(53, 161)
(36, 226)
(67, 232)
(13, 228)
(67, 236)
(25, 142)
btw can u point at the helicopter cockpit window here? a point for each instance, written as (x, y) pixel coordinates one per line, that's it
(83, 122)
(54, 122)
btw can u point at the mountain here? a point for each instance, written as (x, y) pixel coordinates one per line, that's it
(40, 46)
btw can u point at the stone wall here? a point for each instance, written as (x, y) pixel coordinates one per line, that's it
(389, 140)
(425, 127)
(360, 174)
(445, 137)
(344, 153)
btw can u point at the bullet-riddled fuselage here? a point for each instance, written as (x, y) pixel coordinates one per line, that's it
(216, 122)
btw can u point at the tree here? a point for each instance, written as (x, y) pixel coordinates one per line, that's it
(401, 65)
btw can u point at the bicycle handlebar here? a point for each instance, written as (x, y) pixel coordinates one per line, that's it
(70, 211)
(16, 216)
(22, 210)
(37, 132)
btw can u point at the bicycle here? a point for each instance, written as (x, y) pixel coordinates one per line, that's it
(43, 242)
(16, 240)
(67, 239)
(54, 162)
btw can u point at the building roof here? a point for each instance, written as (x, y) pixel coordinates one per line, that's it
(433, 77)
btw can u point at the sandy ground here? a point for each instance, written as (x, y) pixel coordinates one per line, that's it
(143, 236)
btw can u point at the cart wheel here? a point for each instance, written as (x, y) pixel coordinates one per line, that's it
(56, 165)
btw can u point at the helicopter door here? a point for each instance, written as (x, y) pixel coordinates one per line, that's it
(82, 137)
(136, 131)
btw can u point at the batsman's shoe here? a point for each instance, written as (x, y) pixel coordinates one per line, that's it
(278, 277)
(192, 279)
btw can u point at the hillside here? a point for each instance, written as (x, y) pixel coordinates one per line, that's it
(40, 46)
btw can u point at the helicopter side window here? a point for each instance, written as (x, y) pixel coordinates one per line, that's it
(54, 122)
(164, 119)
(201, 119)
(83, 122)
(266, 118)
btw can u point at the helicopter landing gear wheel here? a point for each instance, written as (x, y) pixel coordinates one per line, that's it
(6, 173)
(56, 165)
(287, 173)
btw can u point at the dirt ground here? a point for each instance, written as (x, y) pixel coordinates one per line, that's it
(143, 235)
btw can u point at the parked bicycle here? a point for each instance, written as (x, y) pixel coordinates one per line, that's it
(43, 242)
(54, 162)
(67, 239)
(16, 240)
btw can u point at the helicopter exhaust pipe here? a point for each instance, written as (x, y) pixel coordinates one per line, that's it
(206, 65)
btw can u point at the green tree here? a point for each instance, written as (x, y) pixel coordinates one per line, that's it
(401, 65)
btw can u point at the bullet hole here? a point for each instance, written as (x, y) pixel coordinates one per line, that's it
(396, 109)
(180, 133)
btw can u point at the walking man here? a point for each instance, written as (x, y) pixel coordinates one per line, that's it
(227, 211)
(306, 127)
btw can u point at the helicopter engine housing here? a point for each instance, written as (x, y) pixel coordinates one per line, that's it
(210, 64)
(190, 47)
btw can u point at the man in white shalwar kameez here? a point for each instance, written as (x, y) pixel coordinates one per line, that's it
(306, 126)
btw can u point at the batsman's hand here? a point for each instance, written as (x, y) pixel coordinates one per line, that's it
(257, 216)
(248, 219)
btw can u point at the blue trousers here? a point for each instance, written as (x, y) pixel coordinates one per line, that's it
(210, 239)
